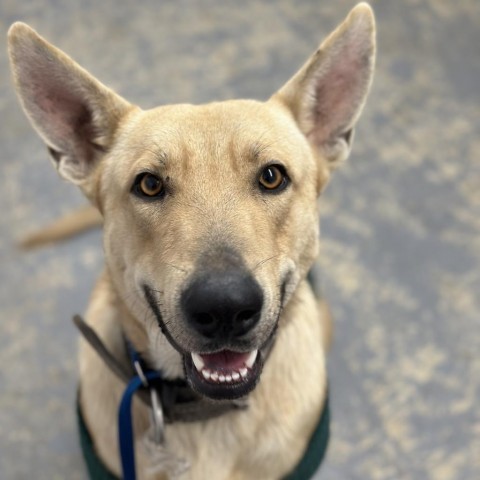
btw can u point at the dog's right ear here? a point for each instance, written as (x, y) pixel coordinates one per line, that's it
(73, 112)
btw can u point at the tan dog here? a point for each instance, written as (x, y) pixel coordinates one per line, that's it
(210, 228)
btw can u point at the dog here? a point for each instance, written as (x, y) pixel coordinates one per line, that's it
(210, 221)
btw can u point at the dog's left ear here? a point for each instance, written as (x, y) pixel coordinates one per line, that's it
(327, 95)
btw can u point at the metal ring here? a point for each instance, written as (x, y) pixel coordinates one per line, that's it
(157, 417)
(140, 373)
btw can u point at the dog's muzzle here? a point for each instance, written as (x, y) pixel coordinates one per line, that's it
(223, 307)
(219, 333)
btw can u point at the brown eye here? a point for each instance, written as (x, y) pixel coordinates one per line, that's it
(273, 177)
(148, 185)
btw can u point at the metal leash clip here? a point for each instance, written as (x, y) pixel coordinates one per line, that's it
(157, 418)
(157, 410)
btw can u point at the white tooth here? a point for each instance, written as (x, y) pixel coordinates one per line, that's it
(235, 376)
(251, 359)
(228, 378)
(243, 372)
(206, 374)
(221, 378)
(198, 362)
(214, 376)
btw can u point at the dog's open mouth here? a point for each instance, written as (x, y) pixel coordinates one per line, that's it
(225, 374)
(225, 366)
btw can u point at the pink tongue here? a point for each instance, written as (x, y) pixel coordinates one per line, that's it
(225, 360)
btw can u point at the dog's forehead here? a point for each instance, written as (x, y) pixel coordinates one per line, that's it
(234, 130)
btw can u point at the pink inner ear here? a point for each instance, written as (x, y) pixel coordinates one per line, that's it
(53, 97)
(58, 114)
(340, 86)
(62, 116)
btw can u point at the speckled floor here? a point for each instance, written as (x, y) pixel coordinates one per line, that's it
(401, 222)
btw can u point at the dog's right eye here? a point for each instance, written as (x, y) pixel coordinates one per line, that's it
(148, 185)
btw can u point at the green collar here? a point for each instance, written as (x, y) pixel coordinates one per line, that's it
(303, 471)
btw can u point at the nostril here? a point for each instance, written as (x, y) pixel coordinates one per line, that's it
(245, 316)
(206, 323)
(244, 321)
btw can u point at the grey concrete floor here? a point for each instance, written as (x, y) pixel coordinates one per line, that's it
(401, 222)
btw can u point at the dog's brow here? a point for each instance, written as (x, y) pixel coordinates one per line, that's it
(162, 157)
(256, 150)
(155, 153)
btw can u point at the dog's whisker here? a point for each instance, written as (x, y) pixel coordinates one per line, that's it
(264, 261)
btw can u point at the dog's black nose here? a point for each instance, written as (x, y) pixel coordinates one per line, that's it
(223, 304)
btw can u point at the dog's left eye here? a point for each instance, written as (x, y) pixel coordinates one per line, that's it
(148, 185)
(273, 178)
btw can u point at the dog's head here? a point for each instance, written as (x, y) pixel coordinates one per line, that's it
(210, 212)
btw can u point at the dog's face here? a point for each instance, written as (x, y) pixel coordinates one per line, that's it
(210, 213)
(212, 220)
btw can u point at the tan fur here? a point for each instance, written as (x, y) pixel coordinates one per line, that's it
(209, 157)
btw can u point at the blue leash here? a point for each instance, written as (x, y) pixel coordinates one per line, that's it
(125, 427)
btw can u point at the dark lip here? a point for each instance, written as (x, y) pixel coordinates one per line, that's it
(223, 391)
(158, 315)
